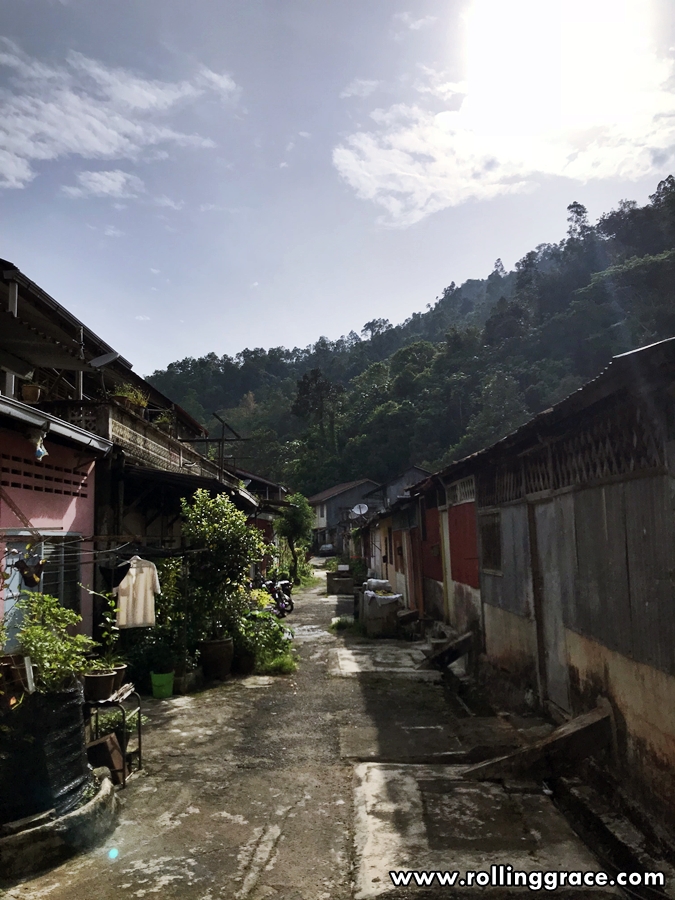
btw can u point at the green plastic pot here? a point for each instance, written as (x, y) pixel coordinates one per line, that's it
(162, 685)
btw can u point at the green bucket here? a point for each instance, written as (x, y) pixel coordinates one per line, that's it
(162, 685)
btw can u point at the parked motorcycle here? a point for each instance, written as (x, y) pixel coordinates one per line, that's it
(280, 592)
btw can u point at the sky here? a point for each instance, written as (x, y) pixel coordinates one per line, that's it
(207, 176)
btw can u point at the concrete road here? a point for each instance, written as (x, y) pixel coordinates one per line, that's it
(313, 787)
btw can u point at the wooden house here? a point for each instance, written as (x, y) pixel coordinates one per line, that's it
(573, 521)
(67, 377)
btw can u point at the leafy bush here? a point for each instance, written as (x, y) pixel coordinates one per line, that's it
(44, 636)
(134, 394)
(358, 567)
(261, 633)
(228, 548)
(160, 657)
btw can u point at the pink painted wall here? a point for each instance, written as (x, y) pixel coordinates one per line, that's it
(51, 495)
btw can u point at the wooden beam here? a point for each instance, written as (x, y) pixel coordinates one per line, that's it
(453, 649)
(575, 740)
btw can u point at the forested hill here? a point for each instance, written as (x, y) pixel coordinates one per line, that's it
(482, 359)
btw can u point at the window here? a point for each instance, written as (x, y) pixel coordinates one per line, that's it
(491, 542)
(61, 575)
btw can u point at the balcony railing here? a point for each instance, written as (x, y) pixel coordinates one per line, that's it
(144, 443)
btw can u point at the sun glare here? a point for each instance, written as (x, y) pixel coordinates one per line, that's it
(537, 66)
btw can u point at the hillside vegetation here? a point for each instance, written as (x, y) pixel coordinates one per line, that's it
(482, 359)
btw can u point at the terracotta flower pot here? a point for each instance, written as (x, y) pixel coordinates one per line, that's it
(30, 393)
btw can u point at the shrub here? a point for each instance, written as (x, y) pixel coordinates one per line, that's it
(227, 550)
(284, 664)
(44, 636)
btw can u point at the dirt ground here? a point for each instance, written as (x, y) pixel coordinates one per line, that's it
(314, 786)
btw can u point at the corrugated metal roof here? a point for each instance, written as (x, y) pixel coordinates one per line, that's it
(624, 370)
(338, 489)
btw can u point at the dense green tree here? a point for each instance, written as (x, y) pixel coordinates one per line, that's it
(484, 356)
(294, 523)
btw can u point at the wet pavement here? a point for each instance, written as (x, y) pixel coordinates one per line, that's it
(314, 786)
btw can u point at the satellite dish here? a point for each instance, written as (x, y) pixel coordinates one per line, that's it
(359, 510)
(104, 360)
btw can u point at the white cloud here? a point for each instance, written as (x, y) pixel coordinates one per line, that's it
(113, 183)
(283, 165)
(290, 146)
(83, 108)
(168, 203)
(305, 134)
(223, 84)
(360, 87)
(414, 24)
(143, 318)
(155, 271)
(601, 106)
(111, 231)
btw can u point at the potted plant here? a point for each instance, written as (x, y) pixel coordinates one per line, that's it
(161, 659)
(111, 721)
(109, 639)
(218, 571)
(98, 681)
(130, 396)
(42, 744)
(164, 421)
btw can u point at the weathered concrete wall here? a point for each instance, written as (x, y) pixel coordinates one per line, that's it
(643, 700)
(434, 601)
(465, 606)
(511, 642)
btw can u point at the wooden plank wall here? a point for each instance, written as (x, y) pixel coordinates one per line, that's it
(625, 595)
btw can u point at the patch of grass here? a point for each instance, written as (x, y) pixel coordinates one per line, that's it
(284, 664)
(347, 626)
(311, 581)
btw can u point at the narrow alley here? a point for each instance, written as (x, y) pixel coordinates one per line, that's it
(314, 786)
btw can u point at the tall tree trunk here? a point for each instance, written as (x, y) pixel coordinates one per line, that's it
(294, 563)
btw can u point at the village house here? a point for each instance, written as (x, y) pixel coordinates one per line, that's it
(402, 544)
(121, 452)
(556, 547)
(332, 507)
(270, 498)
(384, 495)
(47, 506)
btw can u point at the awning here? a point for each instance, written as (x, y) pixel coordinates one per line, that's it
(191, 482)
(179, 479)
(16, 412)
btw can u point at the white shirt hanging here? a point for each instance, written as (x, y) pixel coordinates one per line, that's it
(136, 594)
